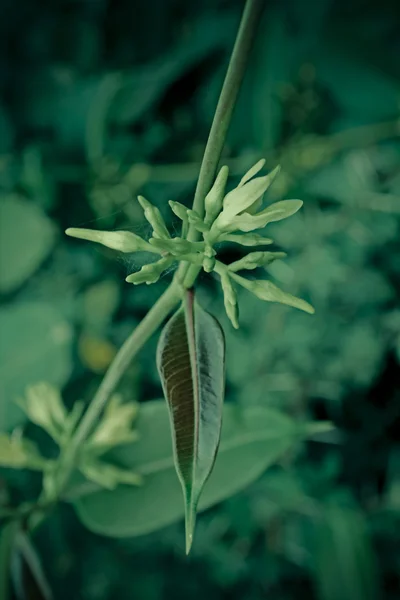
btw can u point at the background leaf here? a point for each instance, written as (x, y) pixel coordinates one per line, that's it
(26, 238)
(35, 345)
(251, 441)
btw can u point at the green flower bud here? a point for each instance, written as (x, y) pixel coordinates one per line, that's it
(242, 198)
(274, 212)
(107, 475)
(209, 258)
(180, 210)
(197, 221)
(230, 300)
(44, 407)
(155, 218)
(254, 260)
(124, 241)
(115, 427)
(246, 239)
(150, 273)
(265, 290)
(177, 245)
(213, 200)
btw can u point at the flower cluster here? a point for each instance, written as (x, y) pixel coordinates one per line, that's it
(229, 217)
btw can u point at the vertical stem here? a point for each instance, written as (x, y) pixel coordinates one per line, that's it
(226, 104)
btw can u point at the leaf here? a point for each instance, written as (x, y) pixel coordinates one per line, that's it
(107, 475)
(345, 567)
(26, 238)
(35, 344)
(7, 534)
(29, 580)
(252, 440)
(191, 364)
(18, 453)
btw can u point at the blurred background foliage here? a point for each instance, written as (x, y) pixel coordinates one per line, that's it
(101, 99)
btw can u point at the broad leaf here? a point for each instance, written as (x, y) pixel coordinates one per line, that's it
(29, 580)
(252, 439)
(191, 363)
(345, 567)
(26, 238)
(35, 345)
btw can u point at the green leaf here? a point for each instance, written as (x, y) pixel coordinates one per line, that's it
(155, 218)
(18, 453)
(191, 364)
(29, 580)
(7, 536)
(252, 439)
(43, 405)
(345, 567)
(26, 238)
(35, 345)
(107, 475)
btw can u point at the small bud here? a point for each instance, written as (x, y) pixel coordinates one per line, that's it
(115, 427)
(44, 407)
(230, 300)
(241, 198)
(246, 239)
(209, 258)
(154, 217)
(180, 210)
(213, 200)
(197, 221)
(176, 246)
(17, 453)
(265, 290)
(107, 475)
(254, 260)
(124, 241)
(274, 212)
(150, 273)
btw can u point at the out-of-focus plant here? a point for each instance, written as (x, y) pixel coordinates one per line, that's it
(191, 352)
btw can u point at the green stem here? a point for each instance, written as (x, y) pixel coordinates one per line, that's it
(128, 350)
(222, 118)
(170, 298)
(226, 104)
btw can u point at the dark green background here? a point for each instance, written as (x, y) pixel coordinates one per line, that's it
(100, 100)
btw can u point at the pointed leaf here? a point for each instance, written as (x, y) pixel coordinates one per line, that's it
(190, 360)
(345, 566)
(253, 438)
(29, 580)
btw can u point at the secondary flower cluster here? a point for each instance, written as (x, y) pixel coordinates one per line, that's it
(229, 217)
